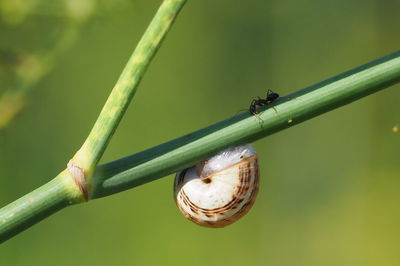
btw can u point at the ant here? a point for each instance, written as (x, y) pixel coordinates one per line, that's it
(270, 98)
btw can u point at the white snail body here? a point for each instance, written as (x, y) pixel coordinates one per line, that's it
(220, 190)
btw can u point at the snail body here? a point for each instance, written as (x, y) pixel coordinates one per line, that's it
(220, 190)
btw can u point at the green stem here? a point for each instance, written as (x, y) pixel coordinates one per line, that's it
(69, 187)
(93, 148)
(37, 205)
(302, 105)
(187, 150)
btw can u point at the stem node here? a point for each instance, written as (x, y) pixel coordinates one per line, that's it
(77, 174)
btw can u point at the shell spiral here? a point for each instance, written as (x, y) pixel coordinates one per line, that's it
(220, 190)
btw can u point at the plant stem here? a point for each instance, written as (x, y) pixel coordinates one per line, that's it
(37, 205)
(302, 105)
(93, 148)
(177, 154)
(70, 186)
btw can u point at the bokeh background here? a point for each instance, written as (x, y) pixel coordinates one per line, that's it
(329, 192)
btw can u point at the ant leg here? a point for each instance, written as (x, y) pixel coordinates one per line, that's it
(260, 121)
(242, 110)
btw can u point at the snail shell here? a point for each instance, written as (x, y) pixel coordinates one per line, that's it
(220, 190)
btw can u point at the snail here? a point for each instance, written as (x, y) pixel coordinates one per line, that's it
(219, 191)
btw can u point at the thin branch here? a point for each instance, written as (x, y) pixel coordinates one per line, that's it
(72, 185)
(30, 209)
(288, 111)
(177, 154)
(172, 156)
(117, 103)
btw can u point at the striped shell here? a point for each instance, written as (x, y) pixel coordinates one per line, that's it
(217, 192)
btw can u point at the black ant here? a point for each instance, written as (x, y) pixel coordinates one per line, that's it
(270, 98)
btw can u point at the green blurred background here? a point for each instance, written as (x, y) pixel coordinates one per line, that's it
(329, 191)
